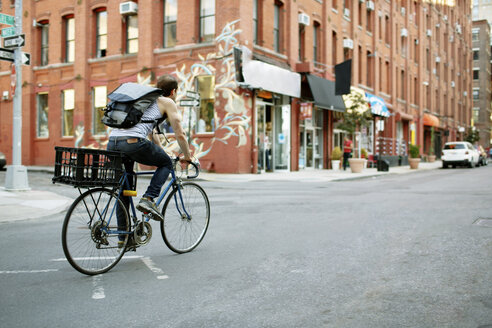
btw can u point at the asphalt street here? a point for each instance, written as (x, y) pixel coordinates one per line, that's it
(408, 250)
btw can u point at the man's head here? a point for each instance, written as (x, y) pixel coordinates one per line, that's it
(169, 85)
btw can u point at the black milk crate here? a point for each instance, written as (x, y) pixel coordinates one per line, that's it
(82, 167)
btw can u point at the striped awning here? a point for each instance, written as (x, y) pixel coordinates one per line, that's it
(377, 104)
(431, 120)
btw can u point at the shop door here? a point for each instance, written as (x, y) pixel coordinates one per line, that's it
(264, 137)
(281, 137)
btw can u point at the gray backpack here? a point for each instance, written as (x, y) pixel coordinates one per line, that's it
(128, 103)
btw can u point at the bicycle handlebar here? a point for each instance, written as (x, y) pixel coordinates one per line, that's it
(195, 165)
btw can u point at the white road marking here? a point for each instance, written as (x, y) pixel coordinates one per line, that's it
(98, 289)
(28, 271)
(96, 258)
(150, 264)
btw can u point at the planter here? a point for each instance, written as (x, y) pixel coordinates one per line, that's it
(414, 163)
(431, 158)
(335, 165)
(357, 164)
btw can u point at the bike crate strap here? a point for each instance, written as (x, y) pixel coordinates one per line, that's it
(82, 167)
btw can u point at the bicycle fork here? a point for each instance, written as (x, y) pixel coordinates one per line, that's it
(183, 213)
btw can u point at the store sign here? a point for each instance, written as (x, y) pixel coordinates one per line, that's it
(306, 111)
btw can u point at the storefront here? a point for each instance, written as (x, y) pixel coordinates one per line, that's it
(317, 105)
(274, 87)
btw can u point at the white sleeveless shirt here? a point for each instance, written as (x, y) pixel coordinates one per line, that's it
(140, 130)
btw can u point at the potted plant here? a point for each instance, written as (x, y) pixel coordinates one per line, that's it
(414, 160)
(364, 155)
(356, 116)
(336, 154)
(432, 157)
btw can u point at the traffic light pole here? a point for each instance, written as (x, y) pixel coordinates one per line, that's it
(16, 177)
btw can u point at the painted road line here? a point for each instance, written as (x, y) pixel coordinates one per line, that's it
(28, 271)
(97, 288)
(96, 258)
(150, 264)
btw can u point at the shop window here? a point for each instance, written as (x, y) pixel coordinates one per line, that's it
(131, 34)
(69, 25)
(170, 18)
(99, 99)
(205, 121)
(44, 29)
(42, 129)
(207, 20)
(68, 106)
(101, 32)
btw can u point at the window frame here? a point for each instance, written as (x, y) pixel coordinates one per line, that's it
(38, 113)
(44, 42)
(168, 23)
(67, 114)
(69, 23)
(204, 17)
(101, 52)
(128, 40)
(96, 119)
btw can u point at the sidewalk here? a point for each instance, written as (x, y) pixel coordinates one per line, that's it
(30, 204)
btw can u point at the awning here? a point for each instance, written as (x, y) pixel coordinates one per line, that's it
(431, 120)
(378, 107)
(260, 75)
(356, 92)
(323, 93)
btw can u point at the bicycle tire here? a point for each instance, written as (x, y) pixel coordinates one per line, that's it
(181, 234)
(86, 246)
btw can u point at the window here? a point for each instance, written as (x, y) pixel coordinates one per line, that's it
(334, 49)
(205, 116)
(255, 21)
(402, 84)
(69, 39)
(476, 114)
(316, 47)
(99, 96)
(388, 77)
(101, 32)
(44, 43)
(476, 74)
(387, 33)
(207, 20)
(415, 91)
(476, 55)
(404, 46)
(370, 69)
(131, 34)
(369, 20)
(42, 130)
(476, 94)
(428, 58)
(475, 36)
(276, 26)
(170, 17)
(68, 105)
(302, 38)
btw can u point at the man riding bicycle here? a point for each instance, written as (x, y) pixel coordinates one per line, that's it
(134, 143)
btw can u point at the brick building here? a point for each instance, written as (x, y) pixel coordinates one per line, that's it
(279, 112)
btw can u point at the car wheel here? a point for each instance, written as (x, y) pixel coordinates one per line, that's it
(444, 165)
(471, 165)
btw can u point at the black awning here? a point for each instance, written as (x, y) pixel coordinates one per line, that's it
(322, 91)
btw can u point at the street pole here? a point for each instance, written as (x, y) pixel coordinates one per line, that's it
(16, 178)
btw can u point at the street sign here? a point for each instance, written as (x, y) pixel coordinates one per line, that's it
(14, 41)
(8, 31)
(192, 95)
(6, 54)
(26, 58)
(7, 19)
(189, 103)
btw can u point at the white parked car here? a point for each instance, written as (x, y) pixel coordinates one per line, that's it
(459, 153)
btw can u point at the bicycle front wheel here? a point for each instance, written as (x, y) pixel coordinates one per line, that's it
(92, 241)
(186, 218)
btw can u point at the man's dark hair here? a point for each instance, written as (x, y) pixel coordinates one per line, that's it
(167, 83)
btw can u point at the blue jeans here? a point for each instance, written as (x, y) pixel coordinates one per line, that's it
(145, 152)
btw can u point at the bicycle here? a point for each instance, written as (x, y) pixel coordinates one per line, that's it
(92, 241)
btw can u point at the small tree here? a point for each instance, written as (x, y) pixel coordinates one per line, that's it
(414, 151)
(431, 148)
(336, 154)
(356, 116)
(472, 136)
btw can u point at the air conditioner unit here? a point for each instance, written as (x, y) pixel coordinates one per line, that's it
(458, 28)
(451, 38)
(452, 84)
(304, 19)
(438, 25)
(403, 11)
(5, 95)
(429, 33)
(362, 1)
(425, 83)
(416, 41)
(348, 43)
(128, 8)
(370, 5)
(445, 18)
(438, 59)
(404, 32)
(465, 93)
(346, 12)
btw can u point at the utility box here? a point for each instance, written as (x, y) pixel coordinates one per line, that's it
(383, 165)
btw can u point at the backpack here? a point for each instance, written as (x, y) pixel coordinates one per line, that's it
(128, 103)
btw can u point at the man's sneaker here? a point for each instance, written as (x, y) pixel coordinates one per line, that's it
(147, 206)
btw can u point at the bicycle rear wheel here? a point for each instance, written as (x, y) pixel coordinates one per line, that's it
(182, 233)
(88, 244)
